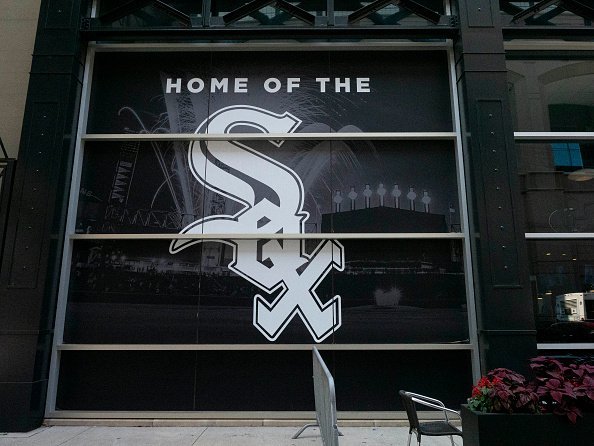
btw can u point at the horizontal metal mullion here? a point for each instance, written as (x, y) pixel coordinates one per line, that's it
(96, 31)
(553, 136)
(146, 416)
(539, 45)
(307, 236)
(559, 235)
(250, 347)
(365, 45)
(543, 32)
(566, 346)
(342, 136)
(237, 418)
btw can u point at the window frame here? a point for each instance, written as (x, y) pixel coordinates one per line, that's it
(455, 136)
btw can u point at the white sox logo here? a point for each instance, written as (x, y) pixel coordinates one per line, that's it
(275, 266)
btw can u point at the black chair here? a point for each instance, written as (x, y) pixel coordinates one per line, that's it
(430, 428)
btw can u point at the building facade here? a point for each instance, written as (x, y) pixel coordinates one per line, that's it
(206, 189)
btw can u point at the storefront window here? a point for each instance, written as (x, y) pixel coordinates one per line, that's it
(557, 185)
(137, 292)
(562, 274)
(349, 186)
(224, 201)
(552, 95)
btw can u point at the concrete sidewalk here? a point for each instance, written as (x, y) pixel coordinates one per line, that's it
(208, 436)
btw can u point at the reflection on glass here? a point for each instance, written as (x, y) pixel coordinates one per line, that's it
(557, 184)
(551, 14)
(562, 274)
(267, 15)
(390, 14)
(552, 95)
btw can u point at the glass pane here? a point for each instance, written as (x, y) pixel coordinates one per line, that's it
(562, 274)
(126, 380)
(132, 292)
(185, 6)
(390, 14)
(363, 378)
(233, 380)
(134, 187)
(254, 381)
(387, 291)
(402, 291)
(297, 187)
(320, 91)
(393, 186)
(551, 14)
(262, 291)
(552, 95)
(268, 15)
(173, 13)
(557, 184)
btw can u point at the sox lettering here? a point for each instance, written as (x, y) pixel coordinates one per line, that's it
(275, 266)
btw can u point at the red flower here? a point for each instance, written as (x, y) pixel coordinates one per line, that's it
(484, 382)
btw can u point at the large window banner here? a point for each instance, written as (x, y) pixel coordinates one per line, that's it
(264, 290)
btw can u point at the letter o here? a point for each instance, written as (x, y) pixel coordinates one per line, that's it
(272, 80)
(193, 81)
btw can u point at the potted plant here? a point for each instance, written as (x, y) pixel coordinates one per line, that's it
(555, 407)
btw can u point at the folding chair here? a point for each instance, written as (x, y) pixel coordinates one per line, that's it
(430, 428)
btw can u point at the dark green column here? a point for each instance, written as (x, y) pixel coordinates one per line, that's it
(37, 213)
(505, 320)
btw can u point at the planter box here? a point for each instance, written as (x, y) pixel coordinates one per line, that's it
(495, 429)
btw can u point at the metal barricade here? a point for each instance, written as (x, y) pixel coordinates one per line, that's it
(325, 398)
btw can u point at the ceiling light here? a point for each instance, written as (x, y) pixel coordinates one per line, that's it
(582, 175)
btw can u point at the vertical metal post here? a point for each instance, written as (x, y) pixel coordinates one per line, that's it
(505, 319)
(7, 168)
(206, 13)
(330, 12)
(31, 256)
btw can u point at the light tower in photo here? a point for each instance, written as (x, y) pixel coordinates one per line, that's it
(337, 200)
(426, 200)
(367, 193)
(396, 193)
(452, 211)
(412, 195)
(381, 192)
(353, 196)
